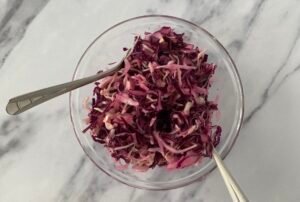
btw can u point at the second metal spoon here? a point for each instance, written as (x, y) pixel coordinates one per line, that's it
(234, 189)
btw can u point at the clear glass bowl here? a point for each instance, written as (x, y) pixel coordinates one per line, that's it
(227, 88)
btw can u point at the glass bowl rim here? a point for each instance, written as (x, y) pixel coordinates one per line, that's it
(240, 98)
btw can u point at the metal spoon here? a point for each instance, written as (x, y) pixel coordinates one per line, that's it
(24, 102)
(234, 189)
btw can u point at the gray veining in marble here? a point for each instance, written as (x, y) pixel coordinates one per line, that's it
(40, 159)
(15, 16)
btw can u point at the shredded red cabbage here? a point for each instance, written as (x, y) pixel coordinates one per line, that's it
(155, 111)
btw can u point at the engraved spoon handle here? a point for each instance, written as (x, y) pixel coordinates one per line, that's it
(24, 102)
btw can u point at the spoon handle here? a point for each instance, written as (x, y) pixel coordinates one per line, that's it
(24, 102)
(235, 191)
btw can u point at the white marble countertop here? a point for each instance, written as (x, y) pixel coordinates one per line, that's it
(40, 44)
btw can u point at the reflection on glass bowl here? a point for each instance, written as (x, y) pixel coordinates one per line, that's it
(107, 48)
